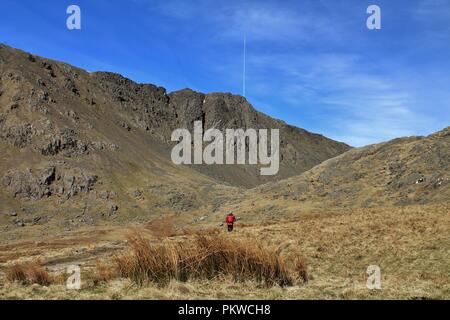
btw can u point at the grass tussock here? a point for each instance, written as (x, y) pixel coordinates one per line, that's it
(301, 269)
(103, 273)
(206, 257)
(29, 273)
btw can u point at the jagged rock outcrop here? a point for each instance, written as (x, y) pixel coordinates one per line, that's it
(46, 182)
(64, 142)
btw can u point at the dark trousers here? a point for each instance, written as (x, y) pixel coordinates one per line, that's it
(230, 227)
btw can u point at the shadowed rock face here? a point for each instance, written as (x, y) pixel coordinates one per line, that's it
(149, 108)
(102, 125)
(47, 182)
(300, 150)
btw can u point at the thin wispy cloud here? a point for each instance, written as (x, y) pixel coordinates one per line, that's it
(368, 107)
(260, 20)
(360, 100)
(435, 9)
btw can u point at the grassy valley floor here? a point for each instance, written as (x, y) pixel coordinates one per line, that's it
(411, 245)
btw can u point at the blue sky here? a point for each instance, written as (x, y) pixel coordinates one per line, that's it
(311, 63)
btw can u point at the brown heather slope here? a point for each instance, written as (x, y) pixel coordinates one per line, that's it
(401, 172)
(79, 147)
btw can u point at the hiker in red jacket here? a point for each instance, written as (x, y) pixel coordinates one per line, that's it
(230, 221)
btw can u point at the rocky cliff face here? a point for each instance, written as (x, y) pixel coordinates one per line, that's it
(299, 150)
(69, 137)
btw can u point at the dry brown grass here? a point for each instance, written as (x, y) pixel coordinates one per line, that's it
(301, 269)
(162, 228)
(410, 244)
(29, 273)
(205, 257)
(103, 273)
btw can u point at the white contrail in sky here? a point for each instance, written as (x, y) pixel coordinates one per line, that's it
(243, 76)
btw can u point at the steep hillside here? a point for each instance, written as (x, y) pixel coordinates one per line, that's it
(401, 172)
(80, 147)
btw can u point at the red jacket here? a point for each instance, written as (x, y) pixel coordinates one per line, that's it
(230, 219)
